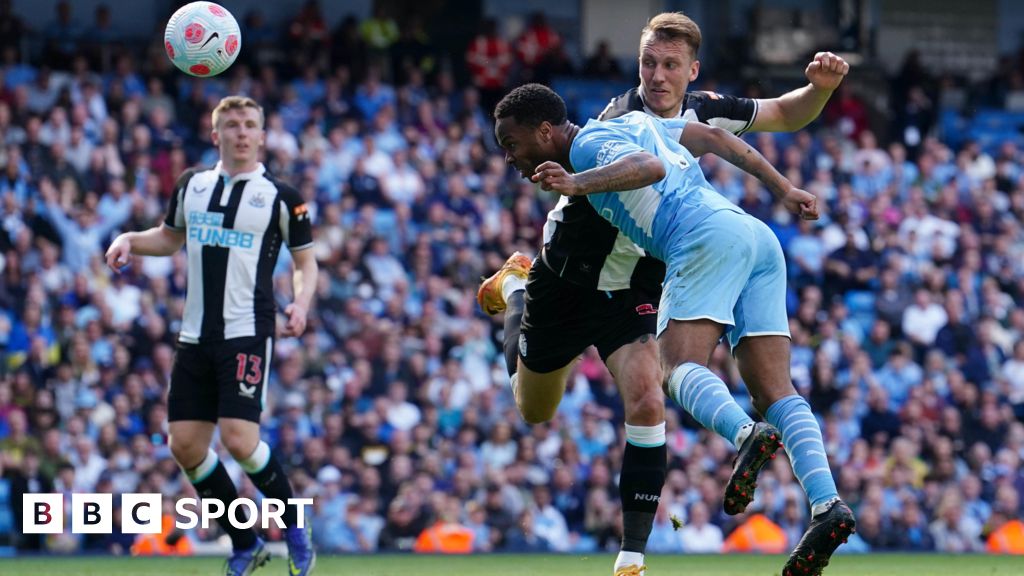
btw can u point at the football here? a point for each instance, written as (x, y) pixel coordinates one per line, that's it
(202, 39)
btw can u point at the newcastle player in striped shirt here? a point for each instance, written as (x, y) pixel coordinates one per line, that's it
(234, 219)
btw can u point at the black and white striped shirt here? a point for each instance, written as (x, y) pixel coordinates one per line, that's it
(585, 249)
(234, 231)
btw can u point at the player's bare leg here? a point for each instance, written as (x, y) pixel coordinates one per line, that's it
(764, 364)
(189, 441)
(190, 444)
(538, 394)
(686, 348)
(242, 438)
(637, 371)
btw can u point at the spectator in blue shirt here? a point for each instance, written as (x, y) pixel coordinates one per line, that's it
(84, 236)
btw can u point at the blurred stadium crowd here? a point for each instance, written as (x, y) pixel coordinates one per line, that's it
(393, 411)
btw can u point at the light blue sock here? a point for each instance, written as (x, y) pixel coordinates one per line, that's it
(802, 437)
(707, 399)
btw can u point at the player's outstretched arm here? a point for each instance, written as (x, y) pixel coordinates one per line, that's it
(632, 172)
(701, 138)
(157, 241)
(794, 110)
(304, 286)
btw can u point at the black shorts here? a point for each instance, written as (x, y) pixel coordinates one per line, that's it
(226, 379)
(562, 319)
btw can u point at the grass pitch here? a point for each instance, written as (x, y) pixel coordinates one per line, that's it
(526, 565)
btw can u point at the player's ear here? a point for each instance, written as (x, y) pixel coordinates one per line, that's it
(694, 70)
(545, 131)
(215, 136)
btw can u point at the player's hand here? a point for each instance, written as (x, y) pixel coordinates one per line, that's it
(826, 71)
(801, 202)
(552, 177)
(119, 254)
(296, 320)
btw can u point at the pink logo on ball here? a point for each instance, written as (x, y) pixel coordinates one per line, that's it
(231, 44)
(217, 10)
(199, 69)
(169, 49)
(194, 33)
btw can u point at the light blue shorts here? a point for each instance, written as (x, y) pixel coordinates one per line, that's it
(730, 269)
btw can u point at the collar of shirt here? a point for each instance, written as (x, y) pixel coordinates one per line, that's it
(260, 169)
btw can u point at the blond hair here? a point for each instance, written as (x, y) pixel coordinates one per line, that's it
(235, 103)
(672, 27)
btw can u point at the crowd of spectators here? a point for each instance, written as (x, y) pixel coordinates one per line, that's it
(393, 411)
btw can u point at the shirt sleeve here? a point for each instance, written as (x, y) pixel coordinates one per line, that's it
(598, 146)
(728, 112)
(296, 227)
(622, 104)
(175, 217)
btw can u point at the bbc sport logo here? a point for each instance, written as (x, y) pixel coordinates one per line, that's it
(140, 513)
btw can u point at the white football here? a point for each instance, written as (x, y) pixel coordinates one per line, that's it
(202, 39)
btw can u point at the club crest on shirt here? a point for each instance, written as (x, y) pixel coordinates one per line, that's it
(257, 200)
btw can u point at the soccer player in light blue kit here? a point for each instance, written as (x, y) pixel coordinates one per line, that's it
(726, 272)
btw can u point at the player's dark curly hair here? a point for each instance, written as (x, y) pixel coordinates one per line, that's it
(531, 104)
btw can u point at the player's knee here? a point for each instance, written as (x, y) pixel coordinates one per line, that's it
(187, 452)
(644, 399)
(536, 414)
(647, 409)
(238, 445)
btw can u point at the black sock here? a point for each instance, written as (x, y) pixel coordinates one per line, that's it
(218, 486)
(514, 308)
(640, 484)
(273, 483)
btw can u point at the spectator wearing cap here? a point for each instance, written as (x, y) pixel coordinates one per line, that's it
(329, 512)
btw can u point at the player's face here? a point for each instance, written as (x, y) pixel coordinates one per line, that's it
(666, 70)
(525, 147)
(239, 136)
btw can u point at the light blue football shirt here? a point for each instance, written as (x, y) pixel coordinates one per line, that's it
(654, 216)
